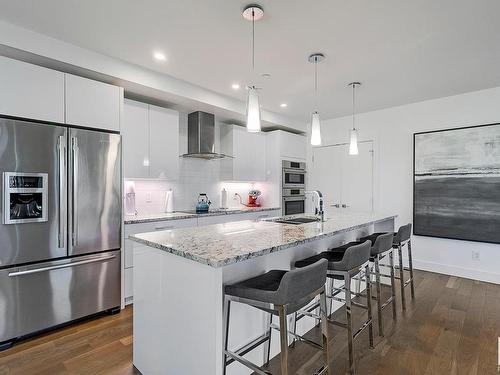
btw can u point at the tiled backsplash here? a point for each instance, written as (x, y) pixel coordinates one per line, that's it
(196, 176)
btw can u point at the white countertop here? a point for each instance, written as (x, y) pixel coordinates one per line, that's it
(222, 244)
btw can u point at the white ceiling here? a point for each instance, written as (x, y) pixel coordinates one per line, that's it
(403, 51)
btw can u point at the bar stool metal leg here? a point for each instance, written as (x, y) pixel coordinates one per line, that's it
(324, 330)
(283, 340)
(369, 305)
(379, 299)
(227, 307)
(348, 311)
(269, 333)
(331, 301)
(401, 276)
(393, 284)
(410, 264)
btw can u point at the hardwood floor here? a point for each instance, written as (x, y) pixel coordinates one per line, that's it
(452, 328)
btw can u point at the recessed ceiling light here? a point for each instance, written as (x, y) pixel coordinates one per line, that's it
(283, 105)
(235, 86)
(159, 56)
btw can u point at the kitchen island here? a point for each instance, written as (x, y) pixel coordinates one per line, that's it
(179, 277)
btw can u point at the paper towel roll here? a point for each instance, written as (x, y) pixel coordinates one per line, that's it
(223, 198)
(169, 201)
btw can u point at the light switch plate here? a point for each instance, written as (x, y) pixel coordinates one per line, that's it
(149, 197)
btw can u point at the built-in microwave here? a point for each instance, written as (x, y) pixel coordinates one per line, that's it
(294, 175)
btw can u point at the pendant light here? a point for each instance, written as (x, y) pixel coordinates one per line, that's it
(315, 58)
(253, 13)
(353, 133)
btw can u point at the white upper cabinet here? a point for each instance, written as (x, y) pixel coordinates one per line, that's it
(163, 142)
(150, 137)
(292, 145)
(248, 151)
(135, 139)
(30, 91)
(92, 104)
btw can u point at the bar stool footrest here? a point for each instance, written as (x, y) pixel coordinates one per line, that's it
(247, 363)
(299, 338)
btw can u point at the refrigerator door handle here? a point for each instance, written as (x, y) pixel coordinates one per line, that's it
(74, 192)
(59, 266)
(62, 190)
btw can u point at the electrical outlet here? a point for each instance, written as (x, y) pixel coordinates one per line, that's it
(476, 255)
(149, 197)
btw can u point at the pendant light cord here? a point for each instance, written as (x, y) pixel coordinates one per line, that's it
(316, 83)
(253, 41)
(353, 105)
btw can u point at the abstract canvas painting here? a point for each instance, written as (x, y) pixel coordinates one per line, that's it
(456, 191)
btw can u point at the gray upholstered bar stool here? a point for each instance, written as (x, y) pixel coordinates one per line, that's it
(279, 293)
(402, 238)
(344, 265)
(382, 244)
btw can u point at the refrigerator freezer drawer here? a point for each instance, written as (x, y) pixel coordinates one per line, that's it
(44, 295)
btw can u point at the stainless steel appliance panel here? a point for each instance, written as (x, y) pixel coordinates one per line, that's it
(43, 295)
(294, 179)
(294, 205)
(29, 147)
(298, 165)
(94, 191)
(25, 196)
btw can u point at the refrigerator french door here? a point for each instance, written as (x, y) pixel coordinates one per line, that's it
(61, 225)
(94, 192)
(27, 150)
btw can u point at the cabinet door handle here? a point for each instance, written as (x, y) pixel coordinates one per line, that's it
(74, 193)
(165, 227)
(61, 146)
(59, 266)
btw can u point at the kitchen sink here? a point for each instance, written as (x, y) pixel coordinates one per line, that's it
(297, 221)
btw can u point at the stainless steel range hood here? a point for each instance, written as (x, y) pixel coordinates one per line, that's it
(201, 137)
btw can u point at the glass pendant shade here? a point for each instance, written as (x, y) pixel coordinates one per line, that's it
(315, 130)
(253, 111)
(353, 144)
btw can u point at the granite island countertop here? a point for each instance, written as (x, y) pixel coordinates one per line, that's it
(179, 215)
(223, 244)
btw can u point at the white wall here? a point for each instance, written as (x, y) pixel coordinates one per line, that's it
(392, 131)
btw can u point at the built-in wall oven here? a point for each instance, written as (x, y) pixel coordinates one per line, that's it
(294, 184)
(294, 175)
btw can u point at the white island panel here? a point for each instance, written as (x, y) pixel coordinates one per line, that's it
(179, 287)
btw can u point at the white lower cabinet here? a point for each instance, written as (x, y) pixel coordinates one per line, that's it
(130, 229)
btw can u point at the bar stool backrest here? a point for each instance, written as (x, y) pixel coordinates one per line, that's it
(355, 256)
(403, 234)
(299, 283)
(382, 244)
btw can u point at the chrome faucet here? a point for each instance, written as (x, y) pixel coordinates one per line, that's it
(318, 211)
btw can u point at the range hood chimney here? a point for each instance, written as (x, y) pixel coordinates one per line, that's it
(201, 136)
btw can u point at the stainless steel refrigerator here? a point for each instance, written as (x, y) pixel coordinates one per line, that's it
(60, 225)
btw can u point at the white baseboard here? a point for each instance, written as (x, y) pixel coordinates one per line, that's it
(467, 273)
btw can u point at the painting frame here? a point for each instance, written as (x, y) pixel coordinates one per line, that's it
(416, 229)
